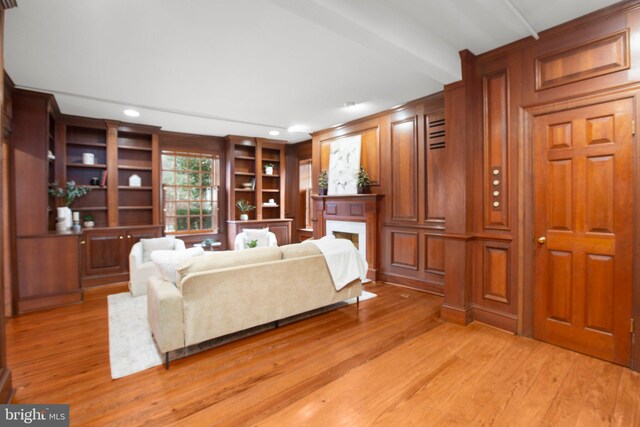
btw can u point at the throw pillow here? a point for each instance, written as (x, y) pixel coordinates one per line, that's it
(167, 262)
(150, 245)
(260, 235)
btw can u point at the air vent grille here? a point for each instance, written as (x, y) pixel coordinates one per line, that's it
(436, 132)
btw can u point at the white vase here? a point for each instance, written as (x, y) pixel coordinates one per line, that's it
(89, 224)
(244, 217)
(268, 170)
(64, 219)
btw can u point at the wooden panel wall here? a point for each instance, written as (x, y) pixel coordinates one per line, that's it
(293, 202)
(591, 56)
(403, 151)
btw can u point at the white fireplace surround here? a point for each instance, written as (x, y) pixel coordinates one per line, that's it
(355, 227)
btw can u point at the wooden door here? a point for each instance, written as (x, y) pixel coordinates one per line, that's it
(104, 252)
(583, 224)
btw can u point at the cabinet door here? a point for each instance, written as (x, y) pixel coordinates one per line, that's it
(135, 234)
(105, 252)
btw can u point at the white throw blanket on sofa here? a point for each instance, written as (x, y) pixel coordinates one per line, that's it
(344, 261)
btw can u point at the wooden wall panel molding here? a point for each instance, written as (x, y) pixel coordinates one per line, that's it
(496, 271)
(434, 254)
(435, 172)
(594, 58)
(495, 96)
(404, 249)
(404, 169)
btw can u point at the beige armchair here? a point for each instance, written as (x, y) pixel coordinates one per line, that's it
(263, 238)
(140, 265)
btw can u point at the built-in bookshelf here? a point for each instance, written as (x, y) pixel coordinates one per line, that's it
(135, 157)
(248, 179)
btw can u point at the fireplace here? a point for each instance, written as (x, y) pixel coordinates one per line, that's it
(354, 217)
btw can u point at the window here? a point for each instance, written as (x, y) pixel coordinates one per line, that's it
(190, 184)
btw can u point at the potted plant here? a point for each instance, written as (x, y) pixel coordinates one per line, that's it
(88, 221)
(323, 183)
(65, 196)
(363, 181)
(244, 207)
(268, 168)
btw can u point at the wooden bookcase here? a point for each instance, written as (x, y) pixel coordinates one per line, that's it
(246, 159)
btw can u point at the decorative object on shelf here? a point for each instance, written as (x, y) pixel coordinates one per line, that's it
(363, 181)
(247, 185)
(63, 219)
(253, 183)
(344, 162)
(94, 181)
(252, 243)
(244, 207)
(88, 158)
(76, 226)
(88, 221)
(103, 178)
(272, 201)
(268, 169)
(135, 181)
(50, 155)
(323, 183)
(65, 197)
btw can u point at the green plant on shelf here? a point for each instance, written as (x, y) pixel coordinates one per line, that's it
(244, 206)
(69, 193)
(88, 217)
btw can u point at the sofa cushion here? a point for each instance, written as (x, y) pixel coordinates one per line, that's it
(298, 250)
(167, 261)
(150, 245)
(260, 235)
(218, 260)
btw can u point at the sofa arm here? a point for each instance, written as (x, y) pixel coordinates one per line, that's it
(135, 256)
(165, 314)
(178, 245)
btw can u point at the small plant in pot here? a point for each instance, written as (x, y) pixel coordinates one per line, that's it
(268, 168)
(363, 181)
(88, 221)
(323, 183)
(244, 207)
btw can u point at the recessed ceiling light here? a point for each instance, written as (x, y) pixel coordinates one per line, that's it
(131, 113)
(297, 128)
(350, 104)
(274, 132)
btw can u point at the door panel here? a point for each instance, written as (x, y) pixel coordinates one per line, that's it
(583, 207)
(104, 252)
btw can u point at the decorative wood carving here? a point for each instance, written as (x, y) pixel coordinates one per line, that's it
(591, 59)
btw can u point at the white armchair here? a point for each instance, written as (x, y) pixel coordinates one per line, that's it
(263, 236)
(140, 265)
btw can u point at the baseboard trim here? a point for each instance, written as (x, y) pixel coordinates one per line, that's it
(418, 285)
(456, 315)
(506, 321)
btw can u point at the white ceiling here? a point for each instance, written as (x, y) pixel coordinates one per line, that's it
(245, 67)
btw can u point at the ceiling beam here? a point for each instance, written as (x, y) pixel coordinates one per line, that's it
(372, 25)
(522, 19)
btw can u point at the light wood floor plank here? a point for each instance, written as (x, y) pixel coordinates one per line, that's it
(390, 363)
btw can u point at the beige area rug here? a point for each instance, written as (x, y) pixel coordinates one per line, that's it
(131, 346)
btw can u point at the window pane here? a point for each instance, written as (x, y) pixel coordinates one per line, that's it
(182, 209)
(182, 224)
(194, 164)
(169, 193)
(206, 193)
(167, 162)
(195, 193)
(194, 209)
(206, 208)
(168, 178)
(170, 223)
(182, 193)
(206, 165)
(194, 179)
(206, 180)
(169, 209)
(207, 223)
(181, 178)
(181, 163)
(195, 223)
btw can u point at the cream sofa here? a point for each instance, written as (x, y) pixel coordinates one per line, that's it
(225, 292)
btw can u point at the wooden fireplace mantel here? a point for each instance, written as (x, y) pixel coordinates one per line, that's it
(356, 208)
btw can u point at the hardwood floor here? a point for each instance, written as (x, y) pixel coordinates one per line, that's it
(392, 362)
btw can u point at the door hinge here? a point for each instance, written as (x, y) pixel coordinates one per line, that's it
(632, 327)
